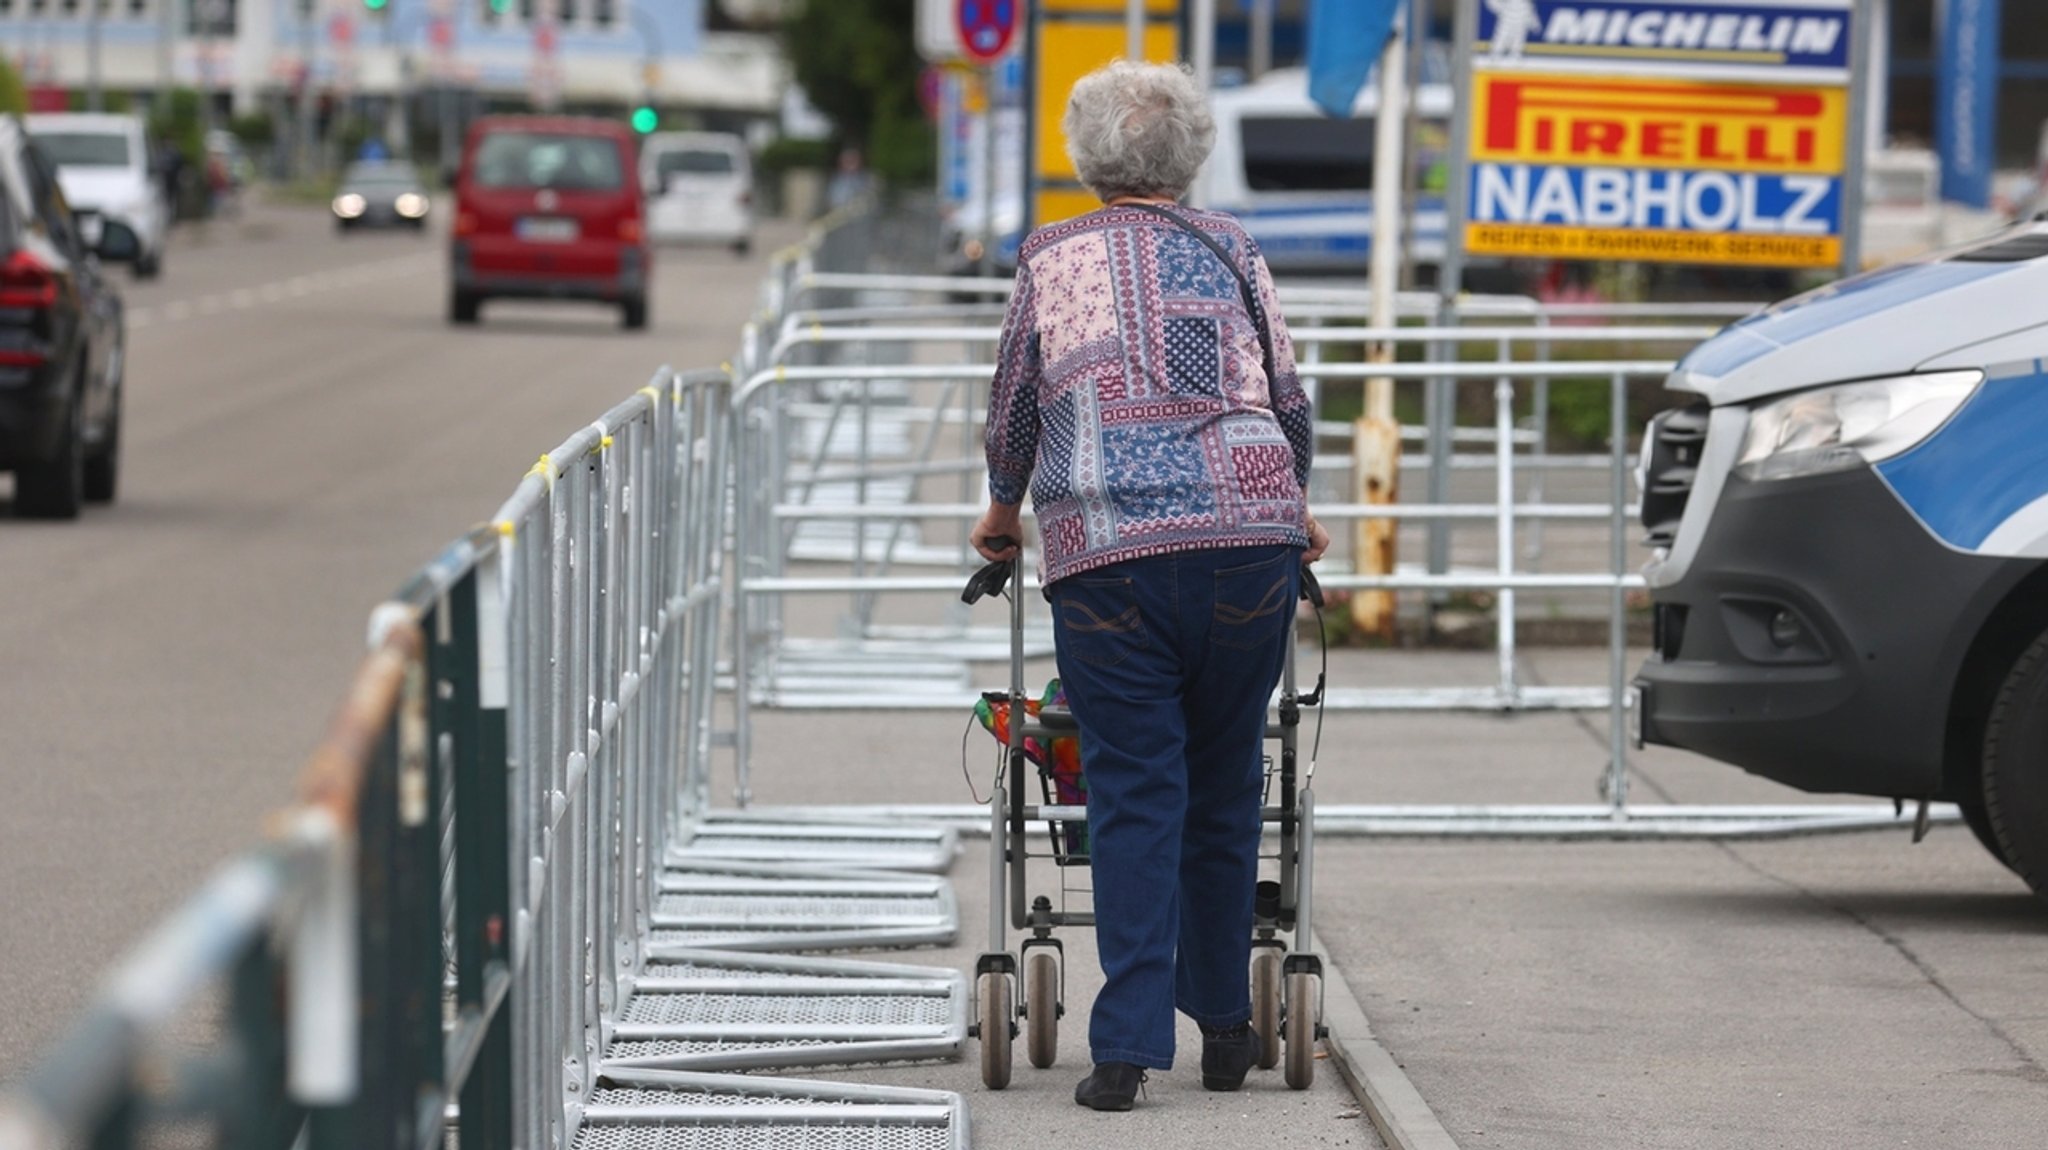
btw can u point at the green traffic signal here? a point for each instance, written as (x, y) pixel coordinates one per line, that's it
(376, 5)
(645, 119)
(500, 7)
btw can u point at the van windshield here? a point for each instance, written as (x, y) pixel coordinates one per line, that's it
(548, 160)
(694, 163)
(85, 149)
(1319, 154)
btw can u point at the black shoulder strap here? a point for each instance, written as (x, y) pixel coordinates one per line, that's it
(1252, 306)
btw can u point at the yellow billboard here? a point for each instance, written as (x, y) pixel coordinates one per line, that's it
(1586, 166)
(1659, 123)
(1071, 38)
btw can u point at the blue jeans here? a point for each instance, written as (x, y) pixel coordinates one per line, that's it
(1169, 663)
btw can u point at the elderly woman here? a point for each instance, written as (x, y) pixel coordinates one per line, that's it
(1145, 392)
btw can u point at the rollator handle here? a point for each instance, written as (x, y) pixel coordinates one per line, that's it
(991, 579)
(1310, 589)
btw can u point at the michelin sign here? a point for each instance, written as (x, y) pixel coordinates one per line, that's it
(1699, 132)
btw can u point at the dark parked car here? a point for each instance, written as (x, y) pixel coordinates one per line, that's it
(61, 339)
(549, 208)
(381, 194)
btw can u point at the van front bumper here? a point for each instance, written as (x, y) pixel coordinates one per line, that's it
(1815, 636)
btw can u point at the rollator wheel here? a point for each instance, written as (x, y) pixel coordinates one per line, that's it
(1266, 1006)
(992, 992)
(1042, 1009)
(1304, 993)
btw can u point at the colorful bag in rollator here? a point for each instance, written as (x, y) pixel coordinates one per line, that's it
(1059, 766)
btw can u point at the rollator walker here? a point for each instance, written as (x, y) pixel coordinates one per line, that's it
(1286, 976)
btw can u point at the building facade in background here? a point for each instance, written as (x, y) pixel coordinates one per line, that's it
(718, 56)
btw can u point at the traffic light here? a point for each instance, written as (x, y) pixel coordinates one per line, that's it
(496, 8)
(646, 119)
(376, 7)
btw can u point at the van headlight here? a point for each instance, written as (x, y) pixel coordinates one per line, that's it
(1850, 425)
(349, 205)
(411, 205)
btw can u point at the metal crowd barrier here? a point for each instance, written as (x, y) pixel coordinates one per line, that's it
(891, 451)
(864, 382)
(532, 720)
(763, 573)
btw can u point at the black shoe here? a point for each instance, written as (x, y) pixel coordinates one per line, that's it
(1227, 1054)
(1111, 1086)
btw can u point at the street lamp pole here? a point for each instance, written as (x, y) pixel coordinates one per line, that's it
(398, 41)
(1260, 59)
(650, 52)
(308, 16)
(94, 99)
(212, 15)
(166, 49)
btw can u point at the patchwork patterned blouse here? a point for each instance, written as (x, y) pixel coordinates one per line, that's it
(1131, 393)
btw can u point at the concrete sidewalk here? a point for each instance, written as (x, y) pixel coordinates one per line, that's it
(1845, 991)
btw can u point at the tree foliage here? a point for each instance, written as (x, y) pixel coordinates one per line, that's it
(858, 63)
(180, 121)
(13, 96)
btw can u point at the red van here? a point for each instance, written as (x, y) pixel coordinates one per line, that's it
(549, 208)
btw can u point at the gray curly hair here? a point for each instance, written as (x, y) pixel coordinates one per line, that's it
(1138, 130)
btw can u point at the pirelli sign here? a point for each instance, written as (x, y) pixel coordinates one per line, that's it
(1698, 132)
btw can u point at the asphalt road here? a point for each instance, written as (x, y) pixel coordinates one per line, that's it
(302, 430)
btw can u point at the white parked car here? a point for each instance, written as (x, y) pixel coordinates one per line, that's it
(103, 165)
(700, 189)
(1301, 181)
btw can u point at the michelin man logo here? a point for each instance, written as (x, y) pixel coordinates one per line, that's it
(1513, 20)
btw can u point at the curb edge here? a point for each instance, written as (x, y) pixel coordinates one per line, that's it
(1390, 1100)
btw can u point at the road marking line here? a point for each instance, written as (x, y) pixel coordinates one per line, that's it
(297, 287)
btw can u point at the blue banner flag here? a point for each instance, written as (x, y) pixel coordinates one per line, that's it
(1966, 98)
(1344, 42)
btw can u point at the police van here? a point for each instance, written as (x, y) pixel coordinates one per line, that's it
(1301, 181)
(1850, 523)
